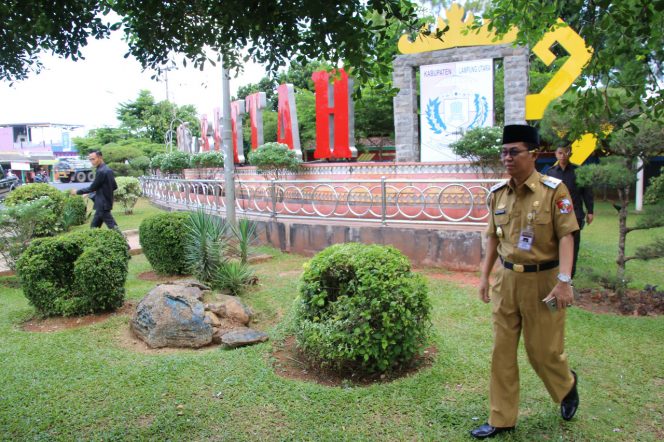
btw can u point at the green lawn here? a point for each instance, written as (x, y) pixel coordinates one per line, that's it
(599, 249)
(84, 384)
(142, 210)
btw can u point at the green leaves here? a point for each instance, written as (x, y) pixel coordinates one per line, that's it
(204, 245)
(207, 159)
(162, 238)
(76, 273)
(482, 146)
(50, 222)
(361, 308)
(127, 193)
(274, 158)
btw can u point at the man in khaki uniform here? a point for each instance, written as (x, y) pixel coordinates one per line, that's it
(530, 229)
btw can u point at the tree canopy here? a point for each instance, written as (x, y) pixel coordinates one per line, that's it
(268, 32)
(146, 118)
(628, 54)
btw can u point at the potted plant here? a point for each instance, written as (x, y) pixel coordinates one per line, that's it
(211, 162)
(274, 159)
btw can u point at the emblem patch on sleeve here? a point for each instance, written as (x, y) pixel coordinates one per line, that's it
(564, 205)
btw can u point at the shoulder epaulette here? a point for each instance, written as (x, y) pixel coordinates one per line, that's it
(498, 186)
(550, 181)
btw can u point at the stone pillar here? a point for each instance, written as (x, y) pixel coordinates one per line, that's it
(406, 118)
(406, 124)
(515, 64)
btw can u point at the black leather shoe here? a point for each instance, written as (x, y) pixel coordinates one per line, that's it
(486, 431)
(570, 404)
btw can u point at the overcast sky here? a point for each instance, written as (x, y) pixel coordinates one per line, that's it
(87, 92)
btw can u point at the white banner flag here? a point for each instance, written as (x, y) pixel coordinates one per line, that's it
(454, 97)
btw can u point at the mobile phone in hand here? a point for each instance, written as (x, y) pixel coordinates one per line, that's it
(552, 304)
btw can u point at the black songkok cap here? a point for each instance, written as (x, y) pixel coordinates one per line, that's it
(513, 133)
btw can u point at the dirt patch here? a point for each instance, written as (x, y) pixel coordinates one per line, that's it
(11, 282)
(258, 259)
(290, 363)
(58, 323)
(153, 276)
(649, 302)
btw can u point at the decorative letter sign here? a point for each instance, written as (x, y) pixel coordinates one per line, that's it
(204, 129)
(287, 129)
(237, 110)
(217, 129)
(255, 103)
(333, 102)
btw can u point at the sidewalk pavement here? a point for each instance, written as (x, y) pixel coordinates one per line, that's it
(130, 235)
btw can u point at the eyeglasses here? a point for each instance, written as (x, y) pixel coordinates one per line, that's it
(512, 152)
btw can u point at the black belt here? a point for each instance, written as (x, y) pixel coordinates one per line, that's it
(528, 268)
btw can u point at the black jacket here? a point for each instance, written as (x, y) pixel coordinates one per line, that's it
(103, 186)
(580, 195)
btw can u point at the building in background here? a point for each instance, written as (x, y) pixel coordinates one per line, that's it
(26, 148)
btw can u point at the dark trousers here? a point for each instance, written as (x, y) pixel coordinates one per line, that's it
(103, 216)
(577, 241)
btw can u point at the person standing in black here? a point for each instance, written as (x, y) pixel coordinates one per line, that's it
(103, 187)
(581, 196)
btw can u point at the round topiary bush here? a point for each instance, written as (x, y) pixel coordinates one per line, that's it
(361, 308)
(76, 273)
(162, 238)
(51, 223)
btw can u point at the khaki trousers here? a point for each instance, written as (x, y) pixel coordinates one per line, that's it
(517, 305)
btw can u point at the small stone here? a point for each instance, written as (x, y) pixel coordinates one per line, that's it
(212, 318)
(243, 336)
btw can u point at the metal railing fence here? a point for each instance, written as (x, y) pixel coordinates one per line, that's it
(384, 200)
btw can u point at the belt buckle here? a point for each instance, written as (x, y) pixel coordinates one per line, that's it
(518, 268)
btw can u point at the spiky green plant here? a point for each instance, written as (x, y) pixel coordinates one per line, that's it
(205, 244)
(233, 276)
(245, 235)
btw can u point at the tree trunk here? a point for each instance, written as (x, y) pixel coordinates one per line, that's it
(623, 195)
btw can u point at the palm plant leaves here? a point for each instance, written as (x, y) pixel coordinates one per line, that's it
(205, 244)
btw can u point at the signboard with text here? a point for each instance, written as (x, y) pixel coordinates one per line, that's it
(454, 97)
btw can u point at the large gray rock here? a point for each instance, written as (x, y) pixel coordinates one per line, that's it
(172, 315)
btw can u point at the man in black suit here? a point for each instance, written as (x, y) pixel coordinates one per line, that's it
(581, 196)
(103, 187)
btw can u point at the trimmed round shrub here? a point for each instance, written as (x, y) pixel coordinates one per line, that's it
(52, 222)
(162, 238)
(362, 309)
(74, 210)
(76, 273)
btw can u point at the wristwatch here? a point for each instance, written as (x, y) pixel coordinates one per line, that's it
(567, 279)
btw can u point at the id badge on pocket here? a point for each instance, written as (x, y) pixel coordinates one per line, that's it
(526, 238)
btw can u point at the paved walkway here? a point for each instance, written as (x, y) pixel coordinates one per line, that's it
(132, 239)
